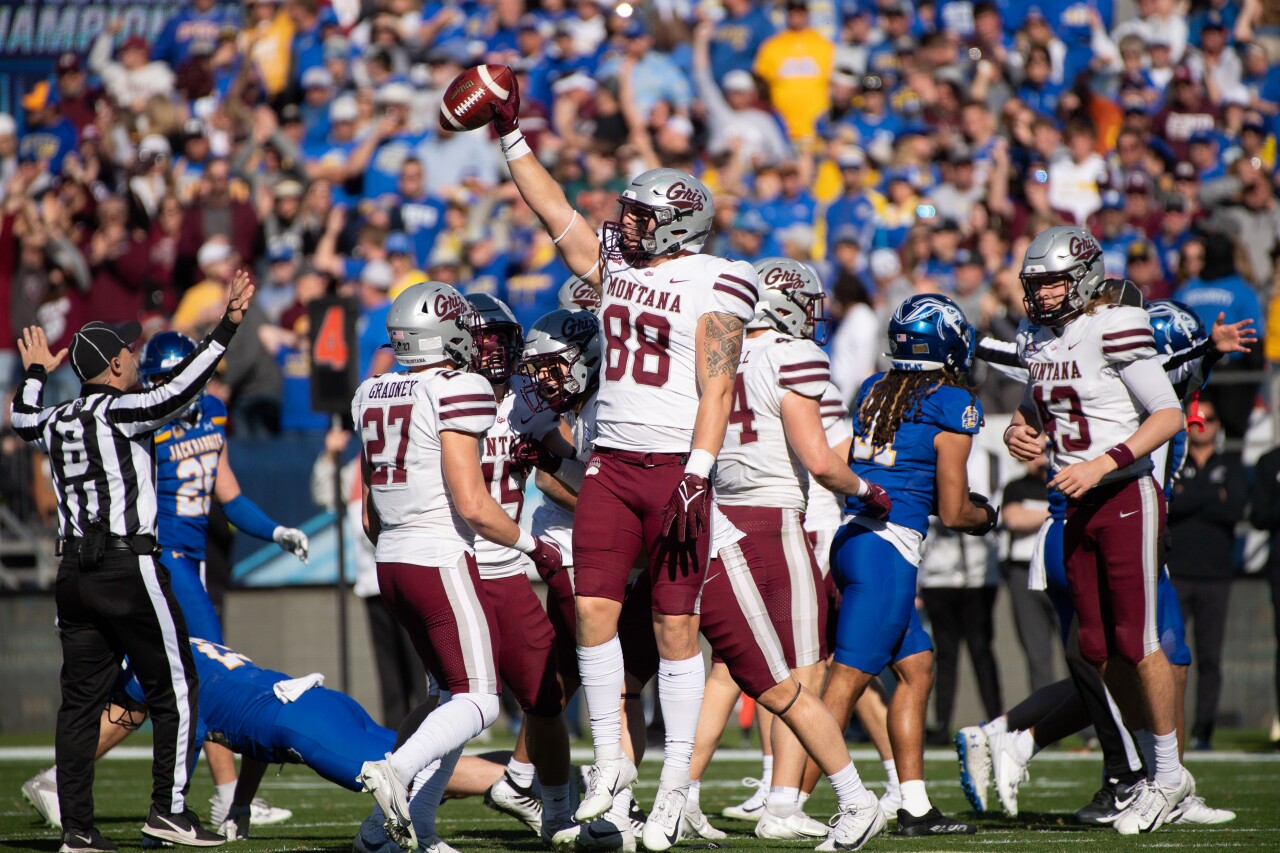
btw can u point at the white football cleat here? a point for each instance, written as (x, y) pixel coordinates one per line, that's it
(378, 779)
(666, 818)
(261, 813)
(41, 791)
(599, 836)
(1153, 805)
(1193, 811)
(753, 806)
(853, 827)
(891, 801)
(520, 803)
(604, 780)
(696, 825)
(1009, 771)
(793, 826)
(974, 754)
(434, 844)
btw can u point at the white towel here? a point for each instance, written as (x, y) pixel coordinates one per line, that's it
(1037, 576)
(290, 689)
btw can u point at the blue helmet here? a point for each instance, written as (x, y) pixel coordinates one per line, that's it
(162, 354)
(930, 332)
(1175, 325)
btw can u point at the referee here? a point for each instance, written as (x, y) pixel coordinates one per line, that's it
(113, 597)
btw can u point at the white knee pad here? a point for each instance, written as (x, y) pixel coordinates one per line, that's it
(486, 703)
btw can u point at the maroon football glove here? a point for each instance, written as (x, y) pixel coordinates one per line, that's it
(547, 558)
(876, 503)
(527, 454)
(688, 512)
(506, 114)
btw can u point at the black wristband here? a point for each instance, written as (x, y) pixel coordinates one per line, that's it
(224, 331)
(37, 371)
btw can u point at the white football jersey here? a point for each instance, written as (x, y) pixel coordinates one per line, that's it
(649, 392)
(503, 479)
(400, 417)
(756, 465)
(550, 519)
(1076, 387)
(826, 508)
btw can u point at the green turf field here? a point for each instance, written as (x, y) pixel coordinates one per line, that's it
(325, 817)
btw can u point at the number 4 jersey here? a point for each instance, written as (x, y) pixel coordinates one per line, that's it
(649, 395)
(401, 417)
(187, 452)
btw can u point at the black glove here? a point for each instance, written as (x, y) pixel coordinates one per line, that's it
(688, 512)
(993, 515)
(547, 558)
(528, 454)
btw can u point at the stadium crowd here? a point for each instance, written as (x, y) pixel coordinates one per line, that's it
(898, 147)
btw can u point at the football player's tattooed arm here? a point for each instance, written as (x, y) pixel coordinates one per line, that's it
(369, 513)
(954, 507)
(578, 244)
(719, 346)
(464, 479)
(802, 423)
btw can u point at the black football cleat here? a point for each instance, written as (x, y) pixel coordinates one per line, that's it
(1109, 803)
(932, 822)
(181, 829)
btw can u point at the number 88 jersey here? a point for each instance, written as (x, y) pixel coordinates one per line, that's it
(649, 392)
(400, 417)
(187, 453)
(1075, 383)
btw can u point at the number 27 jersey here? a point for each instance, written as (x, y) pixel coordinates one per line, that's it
(187, 457)
(401, 417)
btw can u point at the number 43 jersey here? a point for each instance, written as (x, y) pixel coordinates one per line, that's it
(187, 453)
(401, 417)
(649, 395)
(1075, 383)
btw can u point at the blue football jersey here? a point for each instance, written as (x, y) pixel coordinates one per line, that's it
(907, 468)
(186, 467)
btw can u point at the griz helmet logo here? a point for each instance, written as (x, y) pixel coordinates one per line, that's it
(685, 198)
(575, 326)
(1082, 248)
(783, 278)
(449, 306)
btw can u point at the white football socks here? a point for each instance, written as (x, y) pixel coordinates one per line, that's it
(445, 729)
(998, 726)
(891, 771)
(428, 792)
(1024, 744)
(680, 686)
(766, 773)
(695, 795)
(783, 802)
(914, 798)
(521, 772)
(1168, 768)
(601, 670)
(848, 787)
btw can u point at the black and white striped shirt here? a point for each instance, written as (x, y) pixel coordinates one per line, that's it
(100, 445)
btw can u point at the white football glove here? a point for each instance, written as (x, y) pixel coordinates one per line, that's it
(292, 540)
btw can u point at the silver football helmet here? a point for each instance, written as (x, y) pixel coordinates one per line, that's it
(791, 300)
(661, 212)
(1062, 253)
(497, 338)
(576, 295)
(562, 355)
(432, 322)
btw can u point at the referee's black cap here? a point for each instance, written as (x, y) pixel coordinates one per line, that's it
(93, 347)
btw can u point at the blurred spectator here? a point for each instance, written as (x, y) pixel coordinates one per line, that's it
(221, 208)
(201, 21)
(736, 125)
(132, 80)
(795, 64)
(47, 138)
(267, 44)
(856, 345)
(374, 281)
(1208, 500)
(1264, 515)
(1073, 177)
(653, 76)
(1025, 507)
(737, 37)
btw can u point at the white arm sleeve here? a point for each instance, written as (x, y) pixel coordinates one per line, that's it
(1149, 385)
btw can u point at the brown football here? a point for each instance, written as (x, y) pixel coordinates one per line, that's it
(469, 101)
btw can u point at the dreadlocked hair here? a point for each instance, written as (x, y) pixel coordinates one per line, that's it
(897, 397)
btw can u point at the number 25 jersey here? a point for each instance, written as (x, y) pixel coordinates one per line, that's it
(1075, 383)
(649, 394)
(187, 456)
(907, 468)
(401, 417)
